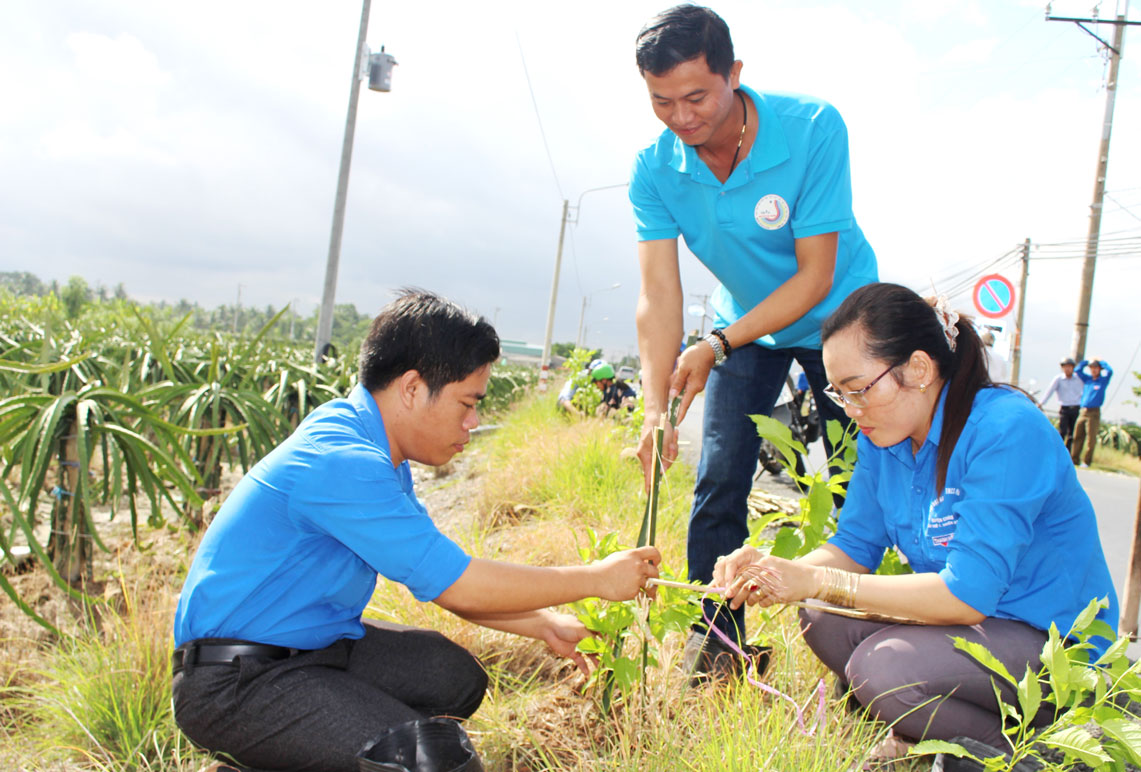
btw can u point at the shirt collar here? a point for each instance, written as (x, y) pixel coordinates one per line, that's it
(770, 148)
(365, 406)
(902, 450)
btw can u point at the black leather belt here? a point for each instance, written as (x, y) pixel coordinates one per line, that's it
(195, 653)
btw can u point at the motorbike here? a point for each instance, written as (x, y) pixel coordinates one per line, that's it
(796, 410)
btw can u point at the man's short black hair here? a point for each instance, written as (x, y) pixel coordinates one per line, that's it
(680, 34)
(424, 332)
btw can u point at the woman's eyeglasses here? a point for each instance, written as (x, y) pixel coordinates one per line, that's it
(858, 398)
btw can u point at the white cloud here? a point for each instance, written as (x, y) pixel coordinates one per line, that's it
(186, 151)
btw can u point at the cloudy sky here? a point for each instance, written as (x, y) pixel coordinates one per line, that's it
(187, 150)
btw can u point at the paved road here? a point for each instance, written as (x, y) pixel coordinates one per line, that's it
(689, 436)
(1114, 498)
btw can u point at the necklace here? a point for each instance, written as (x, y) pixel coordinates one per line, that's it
(740, 139)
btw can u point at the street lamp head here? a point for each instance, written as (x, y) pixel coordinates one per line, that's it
(380, 71)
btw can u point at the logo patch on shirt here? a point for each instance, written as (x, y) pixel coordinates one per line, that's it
(771, 212)
(941, 528)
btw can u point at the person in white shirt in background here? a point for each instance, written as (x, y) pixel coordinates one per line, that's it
(1069, 390)
(996, 365)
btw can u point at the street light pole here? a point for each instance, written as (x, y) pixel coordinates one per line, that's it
(325, 320)
(581, 319)
(544, 372)
(578, 342)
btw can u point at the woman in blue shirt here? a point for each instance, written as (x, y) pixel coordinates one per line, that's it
(976, 489)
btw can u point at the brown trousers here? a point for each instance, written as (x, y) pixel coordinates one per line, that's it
(1089, 422)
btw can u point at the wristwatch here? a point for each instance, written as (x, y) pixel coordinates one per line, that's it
(719, 352)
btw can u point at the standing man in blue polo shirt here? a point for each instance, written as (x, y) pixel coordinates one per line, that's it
(758, 184)
(1094, 384)
(274, 666)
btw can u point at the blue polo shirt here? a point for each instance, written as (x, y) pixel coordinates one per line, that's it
(1093, 389)
(795, 182)
(292, 557)
(1012, 534)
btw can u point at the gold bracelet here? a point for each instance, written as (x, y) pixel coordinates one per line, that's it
(839, 587)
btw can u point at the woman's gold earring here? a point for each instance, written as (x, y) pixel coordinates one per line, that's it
(922, 388)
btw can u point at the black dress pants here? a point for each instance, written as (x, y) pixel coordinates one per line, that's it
(316, 710)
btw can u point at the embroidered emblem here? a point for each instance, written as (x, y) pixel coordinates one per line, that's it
(771, 212)
(941, 526)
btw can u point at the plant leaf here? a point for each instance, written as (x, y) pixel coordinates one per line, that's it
(931, 747)
(1029, 694)
(1127, 733)
(983, 656)
(1075, 741)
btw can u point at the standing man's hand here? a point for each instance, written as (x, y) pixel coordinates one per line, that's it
(646, 449)
(692, 372)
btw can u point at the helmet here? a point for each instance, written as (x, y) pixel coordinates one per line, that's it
(602, 371)
(1068, 361)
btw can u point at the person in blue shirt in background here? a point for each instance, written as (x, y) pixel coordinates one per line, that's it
(1002, 542)
(1094, 384)
(274, 666)
(759, 185)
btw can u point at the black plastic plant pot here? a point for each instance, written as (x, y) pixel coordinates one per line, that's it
(427, 745)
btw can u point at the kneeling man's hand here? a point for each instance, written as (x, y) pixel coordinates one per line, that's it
(623, 574)
(562, 633)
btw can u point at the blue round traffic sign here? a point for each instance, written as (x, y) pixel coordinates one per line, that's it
(993, 296)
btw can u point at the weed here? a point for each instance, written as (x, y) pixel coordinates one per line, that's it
(104, 695)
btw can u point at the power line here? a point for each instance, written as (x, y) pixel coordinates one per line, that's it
(966, 279)
(972, 270)
(1128, 369)
(1082, 242)
(1122, 207)
(538, 117)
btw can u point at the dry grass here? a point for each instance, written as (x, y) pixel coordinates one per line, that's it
(1113, 460)
(528, 495)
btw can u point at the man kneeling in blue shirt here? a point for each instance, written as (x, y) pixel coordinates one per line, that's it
(274, 666)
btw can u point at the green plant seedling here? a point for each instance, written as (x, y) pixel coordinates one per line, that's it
(1077, 694)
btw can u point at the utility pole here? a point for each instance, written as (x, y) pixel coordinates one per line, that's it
(544, 373)
(1081, 326)
(1132, 597)
(1016, 357)
(325, 320)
